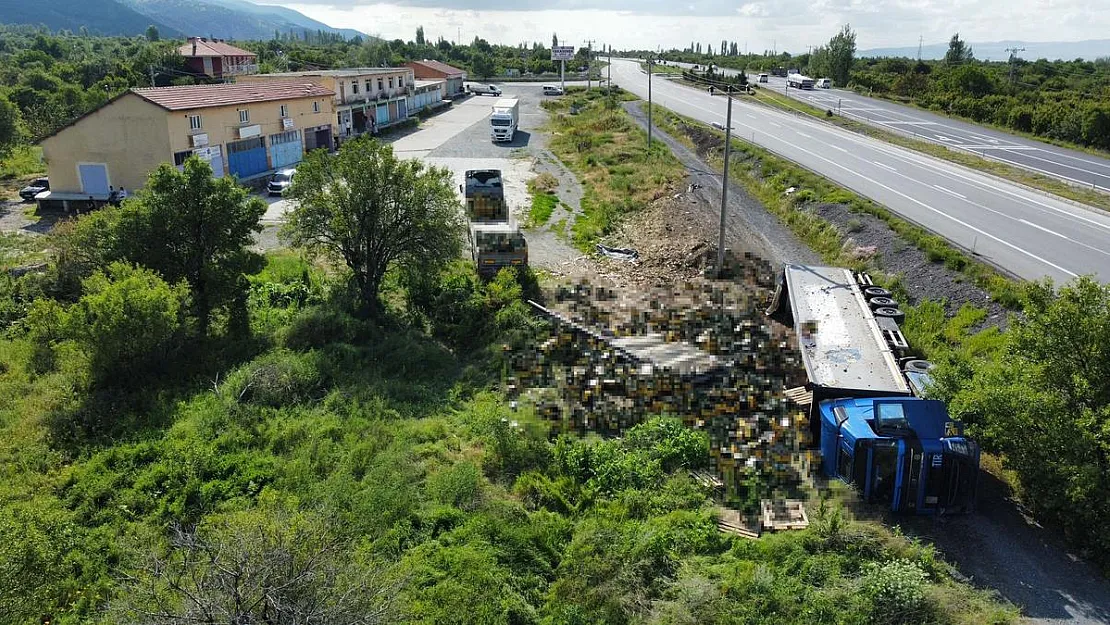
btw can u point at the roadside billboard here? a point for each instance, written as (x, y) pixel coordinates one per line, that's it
(562, 53)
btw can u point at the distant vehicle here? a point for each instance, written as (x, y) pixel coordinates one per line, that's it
(503, 119)
(763, 78)
(280, 181)
(778, 71)
(552, 90)
(37, 186)
(493, 90)
(824, 83)
(718, 125)
(799, 81)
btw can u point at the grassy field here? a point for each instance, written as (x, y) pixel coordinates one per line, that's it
(601, 144)
(1048, 184)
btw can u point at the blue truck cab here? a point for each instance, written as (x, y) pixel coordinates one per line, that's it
(904, 452)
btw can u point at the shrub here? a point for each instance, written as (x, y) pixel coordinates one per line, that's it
(276, 379)
(897, 592)
(317, 327)
(456, 485)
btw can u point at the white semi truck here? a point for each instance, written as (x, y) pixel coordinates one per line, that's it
(504, 119)
(798, 81)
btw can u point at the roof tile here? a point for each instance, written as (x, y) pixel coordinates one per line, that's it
(439, 67)
(203, 96)
(212, 47)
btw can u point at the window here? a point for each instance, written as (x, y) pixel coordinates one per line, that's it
(380, 87)
(390, 82)
(244, 116)
(194, 122)
(316, 106)
(284, 110)
(354, 87)
(179, 157)
(368, 84)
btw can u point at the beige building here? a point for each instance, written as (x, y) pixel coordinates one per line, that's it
(367, 99)
(245, 130)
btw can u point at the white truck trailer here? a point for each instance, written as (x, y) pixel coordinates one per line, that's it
(504, 119)
(798, 81)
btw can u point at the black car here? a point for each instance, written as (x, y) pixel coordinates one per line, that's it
(37, 186)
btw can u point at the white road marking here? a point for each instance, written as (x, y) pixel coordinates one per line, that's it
(805, 135)
(837, 147)
(885, 166)
(950, 192)
(774, 124)
(1029, 223)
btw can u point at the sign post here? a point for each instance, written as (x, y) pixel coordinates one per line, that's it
(562, 54)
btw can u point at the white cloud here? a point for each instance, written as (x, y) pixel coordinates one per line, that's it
(791, 25)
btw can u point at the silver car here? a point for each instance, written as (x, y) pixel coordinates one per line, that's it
(280, 181)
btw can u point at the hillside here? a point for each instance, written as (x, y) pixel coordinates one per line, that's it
(229, 19)
(1090, 50)
(101, 17)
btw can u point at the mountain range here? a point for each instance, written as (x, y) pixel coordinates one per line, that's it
(225, 19)
(1089, 49)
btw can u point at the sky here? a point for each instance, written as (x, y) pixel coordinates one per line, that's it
(791, 25)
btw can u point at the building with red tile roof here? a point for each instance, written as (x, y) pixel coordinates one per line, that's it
(217, 58)
(453, 78)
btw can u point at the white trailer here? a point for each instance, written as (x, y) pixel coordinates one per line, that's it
(504, 119)
(798, 81)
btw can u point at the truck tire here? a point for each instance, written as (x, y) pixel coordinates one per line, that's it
(882, 302)
(889, 311)
(917, 365)
(875, 291)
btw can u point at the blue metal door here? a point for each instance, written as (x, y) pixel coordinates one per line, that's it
(94, 178)
(247, 158)
(383, 115)
(286, 149)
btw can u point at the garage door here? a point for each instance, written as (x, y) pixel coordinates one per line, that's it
(247, 158)
(94, 178)
(286, 148)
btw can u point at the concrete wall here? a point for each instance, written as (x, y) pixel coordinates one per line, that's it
(129, 135)
(343, 85)
(221, 124)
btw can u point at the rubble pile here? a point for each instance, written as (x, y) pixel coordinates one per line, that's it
(584, 380)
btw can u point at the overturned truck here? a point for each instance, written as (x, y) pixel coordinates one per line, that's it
(866, 410)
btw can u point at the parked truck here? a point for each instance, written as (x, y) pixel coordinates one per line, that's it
(799, 81)
(866, 411)
(504, 118)
(495, 240)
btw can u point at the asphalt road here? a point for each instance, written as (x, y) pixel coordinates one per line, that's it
(1073, 166)
(1029, 234)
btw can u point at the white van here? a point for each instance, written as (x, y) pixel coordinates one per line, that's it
(552, 90)
(824, 83)
(763, 78)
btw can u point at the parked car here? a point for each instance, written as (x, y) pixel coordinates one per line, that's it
(280, 181)
(37, 186)
(763, 78)
(824, 83)
(493, 90)
(552, 90)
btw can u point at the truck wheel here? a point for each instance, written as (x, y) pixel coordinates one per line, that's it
(917, 365)
(875, 291)
(889, 311)
(882, 302)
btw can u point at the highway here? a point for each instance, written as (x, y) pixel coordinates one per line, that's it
(1076, 167)
(1029, 234)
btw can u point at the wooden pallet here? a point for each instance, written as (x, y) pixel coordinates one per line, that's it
(707, 480)
(732, 522)
(799, 395)
(789, 514)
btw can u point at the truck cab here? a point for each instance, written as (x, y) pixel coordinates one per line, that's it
(495, 241)
(905, 453)
(504, 118)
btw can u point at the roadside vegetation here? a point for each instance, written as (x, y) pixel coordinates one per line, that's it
(544, 199)
(597, 140)
(1034, 394)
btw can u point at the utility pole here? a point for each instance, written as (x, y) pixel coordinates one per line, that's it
(920, 42)
(152, 76)
(649, 101)
(609, 83)
(724, 184)
(1013, 56)
(589, 61)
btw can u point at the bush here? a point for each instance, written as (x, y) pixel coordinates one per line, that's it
(276, 379)
(128, 323)
(897, 592)
(317, 327)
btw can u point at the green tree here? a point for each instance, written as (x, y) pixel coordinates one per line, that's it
(152, 33)
(958, 51)
(482, 65)
(554, 40)
(11, 126)
(419, 35)
(841, 54)
(190, 226)
(374, 212)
